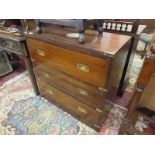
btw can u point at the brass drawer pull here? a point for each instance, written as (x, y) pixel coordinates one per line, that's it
(50, 91)
(99, 110)
(102, 89)
(41, 53)
(82, 110)
(83, 68)
(83, 92)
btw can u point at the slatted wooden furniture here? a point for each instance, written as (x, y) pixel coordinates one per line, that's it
(78, 77)
(121, 26)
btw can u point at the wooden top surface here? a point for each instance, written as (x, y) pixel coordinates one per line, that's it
(107, 44)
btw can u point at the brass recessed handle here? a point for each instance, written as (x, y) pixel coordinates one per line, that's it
(50, 91)
(99, 110)
(83, 68)
(41, 53)
(102, 89)
(82, 110)
(83, 92)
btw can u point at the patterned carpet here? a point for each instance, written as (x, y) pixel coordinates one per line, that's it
(22, 113)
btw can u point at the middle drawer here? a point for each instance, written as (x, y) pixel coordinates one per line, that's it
(81, 91)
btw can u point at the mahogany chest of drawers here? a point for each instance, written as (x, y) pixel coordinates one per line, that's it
(77, 77)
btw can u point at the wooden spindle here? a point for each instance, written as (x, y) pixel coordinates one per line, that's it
(126, 28)
(121, 27)
(111, 26)
(104, 25)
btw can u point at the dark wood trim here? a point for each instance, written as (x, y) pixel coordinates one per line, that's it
(30, 69)
(122, 81)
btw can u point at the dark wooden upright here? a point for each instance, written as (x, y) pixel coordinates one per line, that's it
(147, 71)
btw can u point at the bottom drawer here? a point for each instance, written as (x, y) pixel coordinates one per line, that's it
(84, 113)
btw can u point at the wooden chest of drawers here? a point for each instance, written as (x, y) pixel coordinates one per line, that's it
(77, 77)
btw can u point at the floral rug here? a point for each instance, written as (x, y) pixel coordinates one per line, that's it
(22, 113)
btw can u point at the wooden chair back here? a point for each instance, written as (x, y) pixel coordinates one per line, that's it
(121, 26)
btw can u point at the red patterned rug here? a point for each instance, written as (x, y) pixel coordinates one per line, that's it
(23, 113)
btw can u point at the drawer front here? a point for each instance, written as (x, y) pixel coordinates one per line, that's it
(68, 78)
(82, 112)
(80, 91)
(85, 67)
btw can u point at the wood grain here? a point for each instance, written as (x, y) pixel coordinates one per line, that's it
(146, 72)
(71, 105)
(83, 92)
(97, 45)
(67, 61)
(79, 91)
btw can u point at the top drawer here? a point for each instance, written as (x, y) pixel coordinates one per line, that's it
(82, 66)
